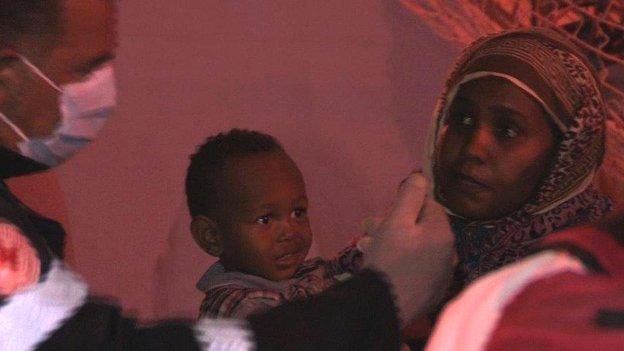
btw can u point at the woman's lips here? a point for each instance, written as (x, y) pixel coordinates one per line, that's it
(470, 184)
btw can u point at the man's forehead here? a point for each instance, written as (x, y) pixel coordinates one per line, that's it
(89, 22)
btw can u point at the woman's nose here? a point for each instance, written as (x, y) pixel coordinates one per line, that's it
(479, 144)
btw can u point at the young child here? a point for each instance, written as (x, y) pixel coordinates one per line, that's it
(249, 207)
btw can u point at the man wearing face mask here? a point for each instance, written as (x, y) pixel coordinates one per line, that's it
(56, 92)
(84, 106)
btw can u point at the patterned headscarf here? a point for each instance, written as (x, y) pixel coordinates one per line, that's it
(558, 77)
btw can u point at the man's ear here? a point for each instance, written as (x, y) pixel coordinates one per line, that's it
(9, 77)
(207, 235)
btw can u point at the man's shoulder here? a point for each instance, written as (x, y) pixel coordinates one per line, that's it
(100, 324)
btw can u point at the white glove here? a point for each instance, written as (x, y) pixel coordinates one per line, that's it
(414, 247)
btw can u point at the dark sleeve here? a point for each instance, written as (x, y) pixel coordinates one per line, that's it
(358, 314)
(100, 326)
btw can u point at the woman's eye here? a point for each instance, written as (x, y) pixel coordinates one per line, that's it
(462, 120)
(264, 219)
(467, 121)
(510, 133)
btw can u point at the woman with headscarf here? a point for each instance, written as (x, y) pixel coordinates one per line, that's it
(519, 135)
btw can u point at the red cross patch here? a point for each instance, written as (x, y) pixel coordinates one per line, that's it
(19, 263)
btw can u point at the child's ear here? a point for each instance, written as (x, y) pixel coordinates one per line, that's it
(9, 77)
(206, 234)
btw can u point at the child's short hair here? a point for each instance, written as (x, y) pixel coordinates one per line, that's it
(210, 158)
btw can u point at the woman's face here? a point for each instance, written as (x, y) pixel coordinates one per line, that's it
(495, 148)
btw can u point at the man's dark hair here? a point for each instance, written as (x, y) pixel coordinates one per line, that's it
(212, 156)
(33, 18)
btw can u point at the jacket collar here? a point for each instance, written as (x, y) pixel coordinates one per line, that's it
(12, 164)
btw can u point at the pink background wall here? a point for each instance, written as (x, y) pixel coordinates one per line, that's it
(347, 86)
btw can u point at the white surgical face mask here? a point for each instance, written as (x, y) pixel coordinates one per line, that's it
(85, 106)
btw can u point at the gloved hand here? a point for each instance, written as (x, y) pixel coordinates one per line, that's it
(414, 247)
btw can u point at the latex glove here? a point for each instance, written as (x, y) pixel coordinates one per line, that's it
(414, 247)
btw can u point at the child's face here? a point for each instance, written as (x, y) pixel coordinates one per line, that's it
(264, 219)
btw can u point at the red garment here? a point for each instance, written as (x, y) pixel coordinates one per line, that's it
(569, 311)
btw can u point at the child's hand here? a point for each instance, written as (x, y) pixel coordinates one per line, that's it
(413, 245)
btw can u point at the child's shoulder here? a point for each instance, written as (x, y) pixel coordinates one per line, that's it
(349, 260)
(310, 265)
(238, 292)
(229, 300)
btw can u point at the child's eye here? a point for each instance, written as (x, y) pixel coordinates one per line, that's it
(264, 219)
(300, 212)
